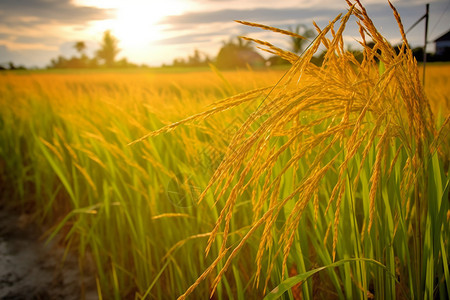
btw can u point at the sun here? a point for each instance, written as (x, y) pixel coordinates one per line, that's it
(135, 22)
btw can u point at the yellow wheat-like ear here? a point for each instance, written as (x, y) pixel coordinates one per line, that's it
(400, 24)
(274, 29)
(289, 56)
(218, 107)
(321, 116)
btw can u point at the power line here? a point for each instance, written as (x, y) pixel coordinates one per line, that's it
(427, 15)
(439, 20)
(426, 18)
(417, 22)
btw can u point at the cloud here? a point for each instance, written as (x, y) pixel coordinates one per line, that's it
(256, 15)
(220, 32)
(33, 12)
(300, 14)
(191, 23)
(187, 38)
(43, 24)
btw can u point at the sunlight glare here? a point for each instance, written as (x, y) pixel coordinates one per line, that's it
(135, 22)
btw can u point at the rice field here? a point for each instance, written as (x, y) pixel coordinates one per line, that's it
(323, 182)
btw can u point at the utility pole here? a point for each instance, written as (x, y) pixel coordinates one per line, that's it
(426, 41)
(427, 8)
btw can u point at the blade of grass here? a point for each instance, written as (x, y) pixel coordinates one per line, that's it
(292, 281)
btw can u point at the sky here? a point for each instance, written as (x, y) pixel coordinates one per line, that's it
(32, 32)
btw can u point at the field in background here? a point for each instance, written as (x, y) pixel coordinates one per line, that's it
(437, 87)
(129, 211)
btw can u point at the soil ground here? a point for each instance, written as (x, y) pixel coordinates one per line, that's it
(32, 269)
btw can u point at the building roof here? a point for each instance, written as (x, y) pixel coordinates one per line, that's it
(444, 37)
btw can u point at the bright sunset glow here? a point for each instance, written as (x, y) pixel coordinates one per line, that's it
(135, 22)
(32, 32)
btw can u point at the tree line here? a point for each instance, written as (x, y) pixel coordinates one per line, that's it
(104, 57)
(234, 53)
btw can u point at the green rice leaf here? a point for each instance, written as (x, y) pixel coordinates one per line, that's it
(292, 281)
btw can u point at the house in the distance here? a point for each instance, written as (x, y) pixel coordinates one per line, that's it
(443, 45)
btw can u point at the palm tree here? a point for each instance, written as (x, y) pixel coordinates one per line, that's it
(80, 46)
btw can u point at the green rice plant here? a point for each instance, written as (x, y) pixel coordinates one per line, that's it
(65, 160)
(334, 183)
(341, 164)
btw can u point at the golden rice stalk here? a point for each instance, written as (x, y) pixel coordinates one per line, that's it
(316, 207)
(337, 215)
(171, 215)
(399, 21)
(267, 238)
(289, 56)
(442, 137)
(320, 117)
(394, 160)
(218, 107)
(273, 29)
(86, 176)
(376, 174)
(270, 268)
(203, 276)
(53, 149)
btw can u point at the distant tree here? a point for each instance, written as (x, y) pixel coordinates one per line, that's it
(298, 44)
(74, 62)
(238, 54)
(93, 62)
(179, 62)
(198, 59)
(106, 56)
(108, 49)
(12, 66)
(195, 60)
(83, 60)
(80, 46)
(124, 63)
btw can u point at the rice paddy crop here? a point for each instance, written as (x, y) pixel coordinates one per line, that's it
(323, 182)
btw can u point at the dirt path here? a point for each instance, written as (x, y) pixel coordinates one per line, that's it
(29, 269)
